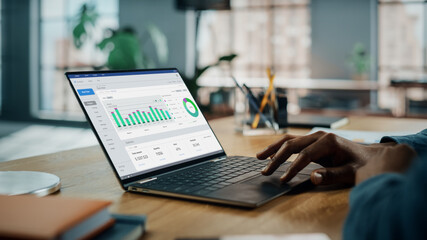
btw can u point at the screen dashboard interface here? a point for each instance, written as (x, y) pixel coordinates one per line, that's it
(146, 120)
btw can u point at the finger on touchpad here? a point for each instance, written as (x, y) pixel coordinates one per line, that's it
(307, 170)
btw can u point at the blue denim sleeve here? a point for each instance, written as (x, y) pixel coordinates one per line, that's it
(389, 206)
(417, 141)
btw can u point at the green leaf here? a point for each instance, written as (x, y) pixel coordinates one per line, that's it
(227, 58)
(124, 53)
(200, 71)
(87, 18)
(79, 35)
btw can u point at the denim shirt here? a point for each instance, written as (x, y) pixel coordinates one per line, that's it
(392, 205)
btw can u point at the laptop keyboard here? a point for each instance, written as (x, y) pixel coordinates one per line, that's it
(208, 177)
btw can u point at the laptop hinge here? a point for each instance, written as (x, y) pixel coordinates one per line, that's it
(219, 159)
(147, 180)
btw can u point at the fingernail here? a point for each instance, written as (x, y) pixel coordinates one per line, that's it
(317, 178)
(284, 176)
(264, 170)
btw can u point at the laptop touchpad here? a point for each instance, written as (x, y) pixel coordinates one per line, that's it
(274, 180)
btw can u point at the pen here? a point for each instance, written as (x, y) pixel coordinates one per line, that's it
(268, 94)
(249, 92)
(251, 95)
(253, 103)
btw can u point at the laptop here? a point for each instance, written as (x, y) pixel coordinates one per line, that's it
(157, 140)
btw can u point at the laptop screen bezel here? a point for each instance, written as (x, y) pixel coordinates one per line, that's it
(127, 181)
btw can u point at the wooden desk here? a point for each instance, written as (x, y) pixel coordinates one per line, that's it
(85, 173)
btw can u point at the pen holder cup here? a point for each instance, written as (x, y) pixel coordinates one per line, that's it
(250, 120)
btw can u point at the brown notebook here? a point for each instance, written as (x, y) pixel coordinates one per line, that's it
(52, 217)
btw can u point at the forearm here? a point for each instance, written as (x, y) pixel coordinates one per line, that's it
(417, 141)
(370, 201)
(389, 206)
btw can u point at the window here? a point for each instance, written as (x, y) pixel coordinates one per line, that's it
(402, 39)
(274, 33)
(58, 53)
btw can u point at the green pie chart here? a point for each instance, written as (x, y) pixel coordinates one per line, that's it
(190, 107)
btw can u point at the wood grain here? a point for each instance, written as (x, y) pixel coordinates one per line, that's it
(85, 173)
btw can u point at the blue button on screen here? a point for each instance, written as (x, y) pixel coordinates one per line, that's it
(84, 92)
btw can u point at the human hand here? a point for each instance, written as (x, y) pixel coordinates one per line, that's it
(389, 159)
(340, 157)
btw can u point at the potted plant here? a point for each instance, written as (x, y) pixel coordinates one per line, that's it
(359, 62)
(191, 82)
(122, 45)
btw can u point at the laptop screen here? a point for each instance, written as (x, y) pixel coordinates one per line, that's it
(146, 120)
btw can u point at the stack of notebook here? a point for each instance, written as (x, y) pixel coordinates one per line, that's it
(311, 120)
(29, 217)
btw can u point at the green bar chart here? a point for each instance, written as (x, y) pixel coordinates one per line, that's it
(151, 116)
(136, 117)
(120, 116)
(158, 114)
(169, 116)
(115, 119)
(163, 113)
(140, 116)
(137, 112)
(131, 118)
(154, 114)
(145, 116)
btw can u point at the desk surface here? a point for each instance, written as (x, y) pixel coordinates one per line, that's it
(85, 173)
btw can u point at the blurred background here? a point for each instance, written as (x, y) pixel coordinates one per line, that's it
(335, 57)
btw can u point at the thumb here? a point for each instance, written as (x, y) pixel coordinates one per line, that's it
(335, 175)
